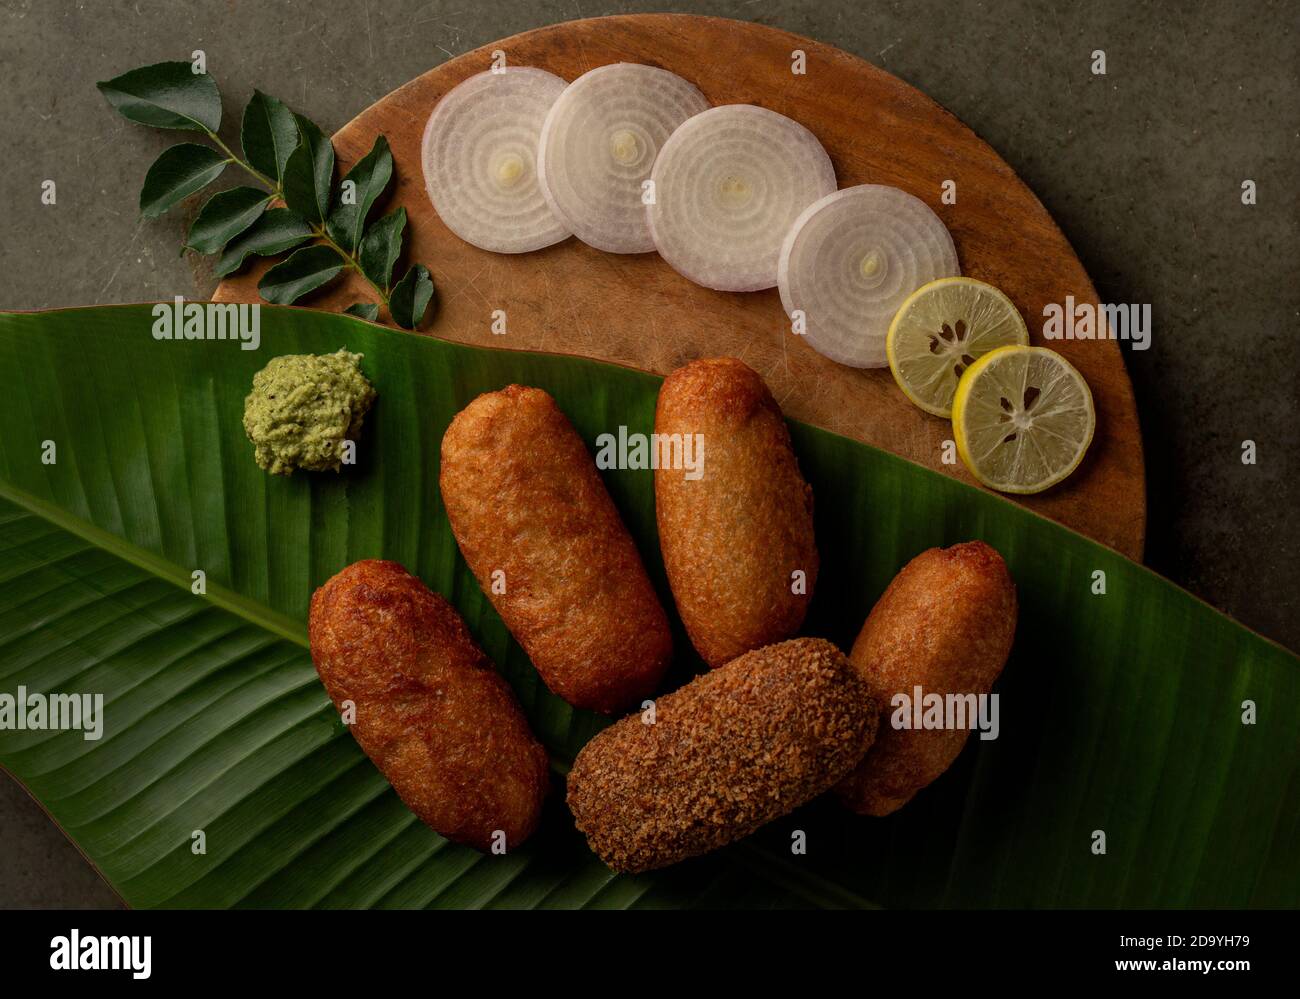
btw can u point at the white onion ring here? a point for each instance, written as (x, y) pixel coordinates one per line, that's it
(598, 144)
(480, 159)
(728, 185)
(851, 259)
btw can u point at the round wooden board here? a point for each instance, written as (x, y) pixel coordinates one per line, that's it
(636, 310)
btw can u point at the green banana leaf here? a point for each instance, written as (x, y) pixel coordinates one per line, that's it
(1121, 712)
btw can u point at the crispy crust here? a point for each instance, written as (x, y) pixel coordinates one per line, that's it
(732, 538)
(431, 711)
(523, 496)
(946, 623)
(734, 749)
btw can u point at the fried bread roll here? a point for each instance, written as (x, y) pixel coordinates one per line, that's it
(945, 624)
(431, 711)
(538, 529)
(732, 750)
(738, 540)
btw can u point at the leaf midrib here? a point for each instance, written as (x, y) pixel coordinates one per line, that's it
(252, 611)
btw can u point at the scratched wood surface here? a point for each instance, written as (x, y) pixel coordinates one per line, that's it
(635, 310)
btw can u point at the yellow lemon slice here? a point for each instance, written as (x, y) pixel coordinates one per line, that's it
(941, 330)
(1022, 418)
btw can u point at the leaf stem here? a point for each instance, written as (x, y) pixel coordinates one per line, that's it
(318, 230)
(350, 258)
(266, 181)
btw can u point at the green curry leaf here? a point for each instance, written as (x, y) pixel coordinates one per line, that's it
(365, 310)
(166, 95)
(224, 216)
(278, 230)
(411, 297)
(358, 192)
(305, 271)
(308, 173)
(381, 247)
(178, 173)
(268, 134)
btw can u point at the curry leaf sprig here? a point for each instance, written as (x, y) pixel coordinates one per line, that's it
(292, 202)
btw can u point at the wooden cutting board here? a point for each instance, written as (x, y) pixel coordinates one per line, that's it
(636, 310)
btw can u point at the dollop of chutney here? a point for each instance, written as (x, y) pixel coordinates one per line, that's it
(302, 409)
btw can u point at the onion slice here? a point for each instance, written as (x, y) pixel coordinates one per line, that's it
(480, 159)
(851, 259)
(728, 184)
(598, 144)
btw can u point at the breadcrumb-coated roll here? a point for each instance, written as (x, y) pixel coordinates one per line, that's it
(431, 711)
(734, 538)
(732, 750)
(945, 624)
(525, 502)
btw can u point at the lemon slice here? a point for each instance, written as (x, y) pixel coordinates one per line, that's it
(941, 330)
(1022, 418)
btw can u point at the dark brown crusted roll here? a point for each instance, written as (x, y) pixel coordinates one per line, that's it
(431, 711)
(730, 751)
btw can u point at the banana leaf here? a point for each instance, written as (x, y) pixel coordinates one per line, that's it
(1121, 711)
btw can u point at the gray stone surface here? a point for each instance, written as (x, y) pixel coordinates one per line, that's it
(1142, 168)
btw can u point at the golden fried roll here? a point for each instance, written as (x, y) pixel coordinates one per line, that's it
(945, 624)
(733, 749)
(431, 711)
(735, 538)
(540, 532)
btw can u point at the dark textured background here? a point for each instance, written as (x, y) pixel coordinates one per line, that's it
(1142, 168)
